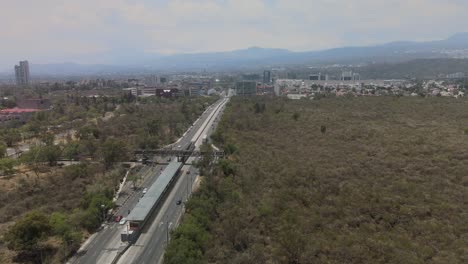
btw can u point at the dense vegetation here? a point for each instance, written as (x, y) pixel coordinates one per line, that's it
(342, 180)
(45, 209)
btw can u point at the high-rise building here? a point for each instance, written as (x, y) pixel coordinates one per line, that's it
(347, 76)
(246, 88)
(356, 77)
(318, 77)
(151, 80)
(350, 76)
(22, 73)
(267, 77)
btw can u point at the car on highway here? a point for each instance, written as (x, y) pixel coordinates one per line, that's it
(145, 190)
(118, 218)
(123, 221)
(179, 202)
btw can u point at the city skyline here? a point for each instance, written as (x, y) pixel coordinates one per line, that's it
(105, 31)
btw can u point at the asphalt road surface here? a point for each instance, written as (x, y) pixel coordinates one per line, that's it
(152, 242)
(103, 246)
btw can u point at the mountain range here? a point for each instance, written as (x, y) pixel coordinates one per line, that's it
(455, 46)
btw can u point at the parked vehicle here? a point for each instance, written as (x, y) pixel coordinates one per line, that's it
(118, 218)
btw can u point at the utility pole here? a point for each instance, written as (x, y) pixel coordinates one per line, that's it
(167, 232)
(187, 180)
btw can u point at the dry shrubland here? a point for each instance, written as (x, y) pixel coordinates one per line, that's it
(339, 180)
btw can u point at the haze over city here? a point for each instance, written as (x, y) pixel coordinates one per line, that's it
(124, 32)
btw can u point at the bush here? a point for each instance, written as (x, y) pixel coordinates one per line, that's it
(28, 231)
(7, 166)
(386, 185)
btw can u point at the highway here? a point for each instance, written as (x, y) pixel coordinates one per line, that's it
(151, 244)
(103, 247)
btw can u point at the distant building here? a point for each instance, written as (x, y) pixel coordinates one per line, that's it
(318, 77)
(356, 77)
(133, 82)
(251, 77)
(266, 77)
(246, 88)
(7, 116)
(22, 73)
(33, 103)
(458, 75)
(198, 86)
(395, 82)
(296, 96)
(347, 76)
(292, 75)
(167, 92)
(154, 91)
(350, 76)
(151, 80)
(24, 110)
(133, 91)
(148, 91)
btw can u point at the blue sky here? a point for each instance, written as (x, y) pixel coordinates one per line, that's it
(103, 31)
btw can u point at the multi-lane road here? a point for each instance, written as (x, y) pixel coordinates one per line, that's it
(151, 244)
(104, 246)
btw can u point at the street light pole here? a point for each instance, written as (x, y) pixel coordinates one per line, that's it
(167, 232)
(187, 180)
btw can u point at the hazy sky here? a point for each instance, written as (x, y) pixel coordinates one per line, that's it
(96, 31)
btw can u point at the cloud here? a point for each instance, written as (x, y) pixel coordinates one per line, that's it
(55, 30)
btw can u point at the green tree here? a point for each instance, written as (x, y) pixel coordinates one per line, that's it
(153, 127)
(28, 231)
(10, 136)
(77, 171)
(134, 178)
(296, 116)
(52, 154)
(183, 250)
(114, 150)
(48, 139)
(7, 166)
(3, 149)
(59, 224)
(71, 150)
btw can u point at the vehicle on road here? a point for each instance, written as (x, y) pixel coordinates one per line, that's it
(188, 172)
(179, 202)
(123, 221)
(118, 218)
(145, 190)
